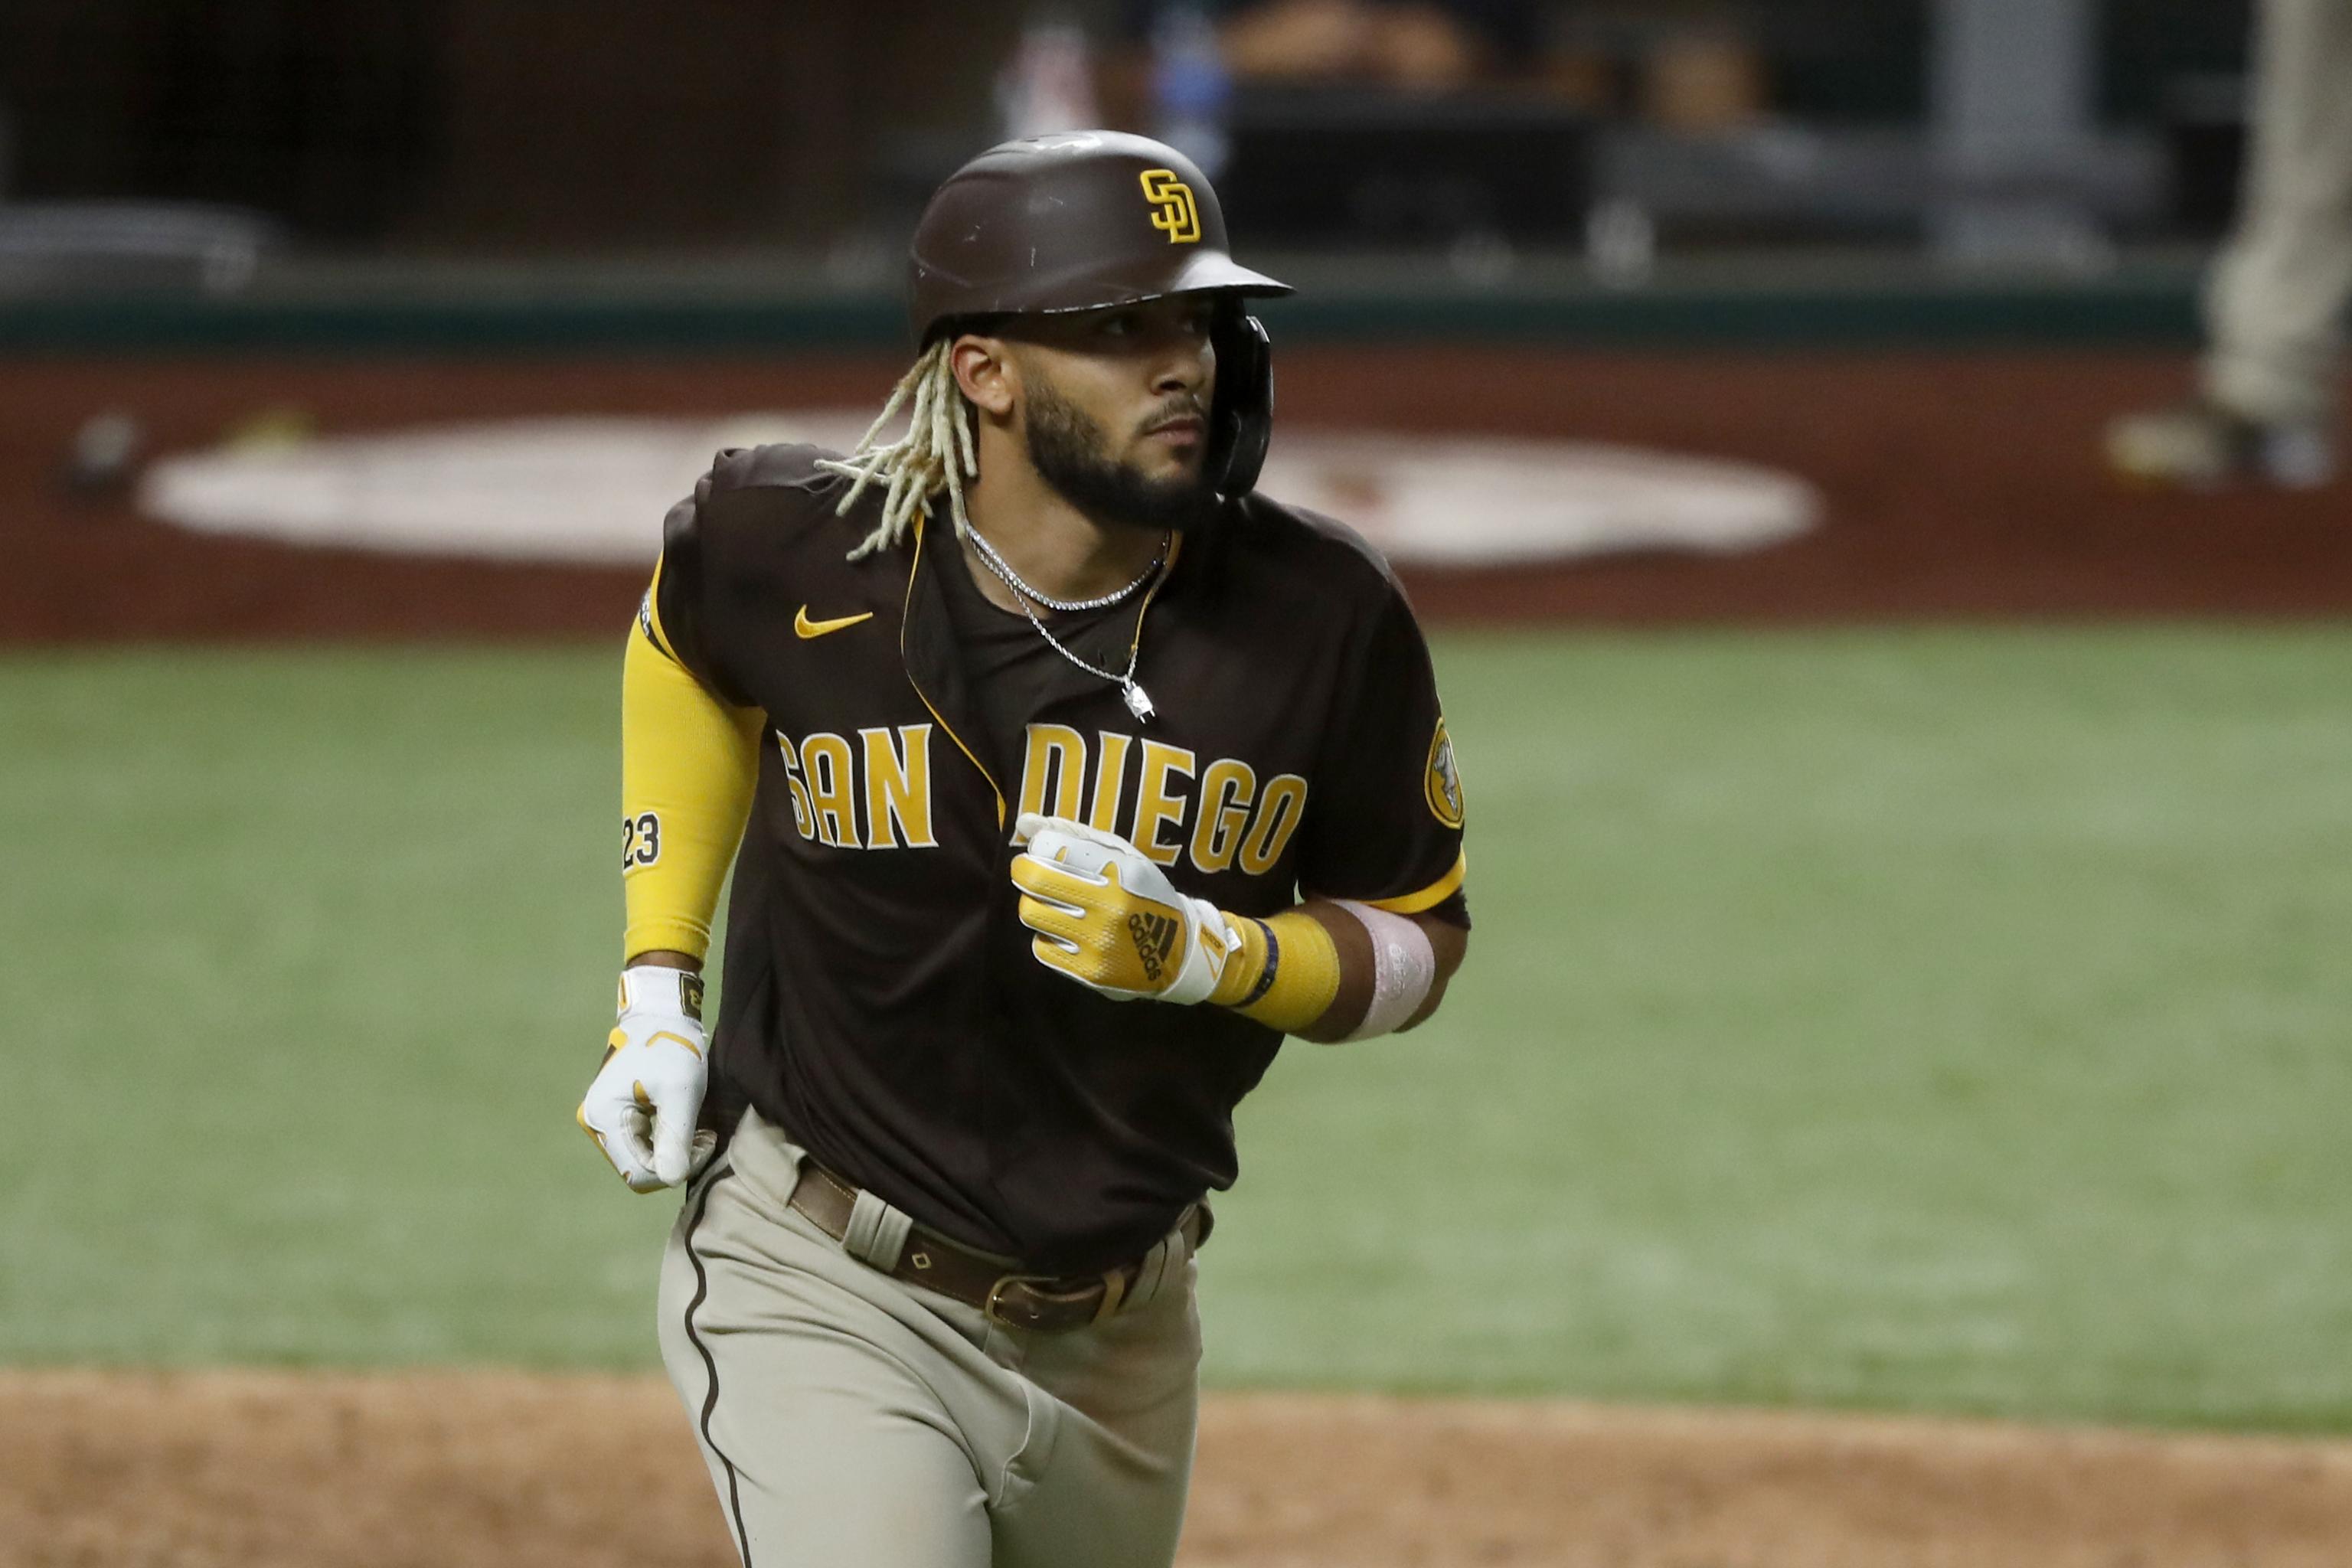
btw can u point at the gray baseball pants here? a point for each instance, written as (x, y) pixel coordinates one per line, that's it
(2275, 299)
(853, 1421)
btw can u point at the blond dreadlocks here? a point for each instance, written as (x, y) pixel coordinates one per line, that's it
(935, 452)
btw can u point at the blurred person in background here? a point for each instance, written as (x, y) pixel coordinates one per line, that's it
(2266, 399)
(1423, 45)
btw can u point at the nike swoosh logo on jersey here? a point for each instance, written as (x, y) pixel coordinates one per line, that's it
(809, 628)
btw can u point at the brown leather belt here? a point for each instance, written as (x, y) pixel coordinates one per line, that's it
(1044, 1302)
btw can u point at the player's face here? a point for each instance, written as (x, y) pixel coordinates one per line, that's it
(1114, 409)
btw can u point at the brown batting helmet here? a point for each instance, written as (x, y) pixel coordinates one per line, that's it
(1071, 222)
(1087, 219)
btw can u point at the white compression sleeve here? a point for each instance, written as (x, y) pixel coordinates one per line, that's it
(1404, 966)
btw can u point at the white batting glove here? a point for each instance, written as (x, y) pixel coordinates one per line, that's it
(642, 1107)
(1110, 920)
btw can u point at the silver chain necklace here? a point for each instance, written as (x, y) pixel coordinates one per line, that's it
(1138, 702)
(1013, 580)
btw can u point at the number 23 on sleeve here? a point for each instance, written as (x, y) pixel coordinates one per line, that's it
(640, 840)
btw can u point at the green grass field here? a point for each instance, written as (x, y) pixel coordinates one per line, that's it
(1919, 1019)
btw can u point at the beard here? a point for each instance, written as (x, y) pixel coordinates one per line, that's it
(1071, 452)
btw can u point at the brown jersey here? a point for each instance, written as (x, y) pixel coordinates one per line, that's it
(879, 999)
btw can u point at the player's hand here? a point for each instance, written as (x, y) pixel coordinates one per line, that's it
(1110, 919)
(642, 1107)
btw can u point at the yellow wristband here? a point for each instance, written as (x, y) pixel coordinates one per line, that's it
(1285, 975)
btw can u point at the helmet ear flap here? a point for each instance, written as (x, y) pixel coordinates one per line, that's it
(1243, 417)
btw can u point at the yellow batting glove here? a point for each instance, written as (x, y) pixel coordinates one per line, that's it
(642, 1107)
(1110, 920)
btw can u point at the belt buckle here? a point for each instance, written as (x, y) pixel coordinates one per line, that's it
(1039, 1288)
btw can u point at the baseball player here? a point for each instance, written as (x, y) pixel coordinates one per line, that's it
(2266, 404)
(1068, 775)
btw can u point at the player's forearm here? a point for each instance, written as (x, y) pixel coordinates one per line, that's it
(1313, 971)
(1358, 970)
(688, 765)
(1106, 915)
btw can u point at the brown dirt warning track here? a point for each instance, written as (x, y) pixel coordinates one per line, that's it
(504, 1470)
(1958, 487)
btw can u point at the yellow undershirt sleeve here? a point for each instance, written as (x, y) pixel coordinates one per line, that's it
(688, 762)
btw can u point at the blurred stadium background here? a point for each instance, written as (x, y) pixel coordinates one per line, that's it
(1913, 871)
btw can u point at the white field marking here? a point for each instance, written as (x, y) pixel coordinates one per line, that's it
(593, 490)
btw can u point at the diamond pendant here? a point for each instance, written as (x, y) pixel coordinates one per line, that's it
(1137, 702)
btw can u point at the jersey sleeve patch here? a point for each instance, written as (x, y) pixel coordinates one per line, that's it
(1442, 780)
(649, 616)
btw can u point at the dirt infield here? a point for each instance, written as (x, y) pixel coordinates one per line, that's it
(289, 1470)
(1959, 486)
